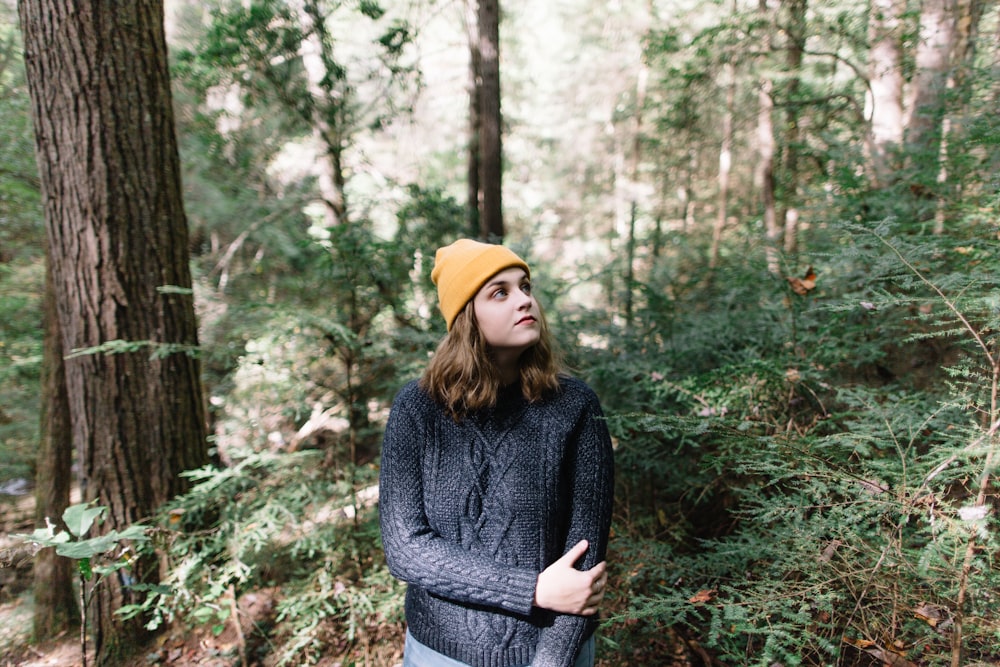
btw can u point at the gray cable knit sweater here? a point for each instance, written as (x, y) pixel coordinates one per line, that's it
(473, 511)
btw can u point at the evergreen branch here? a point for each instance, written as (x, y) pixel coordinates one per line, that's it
(948, 302)
(951, 459)
(119, 346)
(174, 289)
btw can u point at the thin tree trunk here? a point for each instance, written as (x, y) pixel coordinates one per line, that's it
(642, 78)
(473, 185)
(491, 124)
(925, 101)
(885, 93)
(793, 132)
(967, 16)
(687, 191)
(325, 124)
(55, 603)
(725, 167)
(630, 263)
(110, 175)
(766, 151)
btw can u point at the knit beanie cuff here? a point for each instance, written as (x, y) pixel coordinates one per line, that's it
(462, 268)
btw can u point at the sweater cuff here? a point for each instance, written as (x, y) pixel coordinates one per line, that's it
(520, 593)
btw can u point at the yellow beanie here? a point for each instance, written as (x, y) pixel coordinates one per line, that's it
(461, 268)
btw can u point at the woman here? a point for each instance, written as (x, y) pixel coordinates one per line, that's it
(496, 482)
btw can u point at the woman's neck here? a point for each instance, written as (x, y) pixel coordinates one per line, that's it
(509, 368)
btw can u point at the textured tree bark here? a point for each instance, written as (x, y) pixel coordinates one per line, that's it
(55, 602)
(473, 190)
(885, 94)
(490, 122)
(110, 174)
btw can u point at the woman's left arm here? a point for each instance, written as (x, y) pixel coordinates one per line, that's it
(591, 467)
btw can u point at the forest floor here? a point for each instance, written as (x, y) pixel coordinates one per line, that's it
(180, 647)
(190, 647)
(199, 646)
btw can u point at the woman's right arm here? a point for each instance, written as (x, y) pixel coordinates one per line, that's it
(414, 552)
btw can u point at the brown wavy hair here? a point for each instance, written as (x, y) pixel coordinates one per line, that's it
(463, 377)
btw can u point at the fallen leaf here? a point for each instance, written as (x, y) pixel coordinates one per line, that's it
(887, 657)
(930, 614)
(705, 595)
(805, 284)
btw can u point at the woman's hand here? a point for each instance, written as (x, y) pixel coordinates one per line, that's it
(563, 588)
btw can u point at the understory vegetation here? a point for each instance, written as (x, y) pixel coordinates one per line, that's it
(802, 478)
(806, 441)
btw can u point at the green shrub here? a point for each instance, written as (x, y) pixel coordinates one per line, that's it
(280, 522)
(806, 480)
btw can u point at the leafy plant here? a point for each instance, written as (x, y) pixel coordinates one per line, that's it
(90, 554)
(810, 481)
(284, 523)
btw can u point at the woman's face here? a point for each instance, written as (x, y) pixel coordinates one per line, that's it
(508, 315)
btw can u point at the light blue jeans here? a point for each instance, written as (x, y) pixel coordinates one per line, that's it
(416, 654)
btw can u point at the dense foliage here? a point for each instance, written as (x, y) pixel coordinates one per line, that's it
(813, 481)
(21, 268)
(806, 446)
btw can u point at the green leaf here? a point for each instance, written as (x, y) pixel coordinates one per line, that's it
(174, 289)
(131, 611)
(45, 537)
(136, 532)
(83, 565)
(371, 9)
(84, 549)
(79, 518)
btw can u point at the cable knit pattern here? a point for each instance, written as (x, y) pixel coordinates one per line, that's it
(473, 511)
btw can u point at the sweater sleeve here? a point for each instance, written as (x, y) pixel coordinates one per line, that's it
(414, 552)
(592, 488)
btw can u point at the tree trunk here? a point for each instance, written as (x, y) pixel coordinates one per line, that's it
(641, 82)
(110, 175)
(490, 119)
(885, 89)
(926, 93)
(55, 602)
(967, 16)
(325, 108)
(473, 186)
(766, 151)
(686, 192)
(793, 132)
(725, 167)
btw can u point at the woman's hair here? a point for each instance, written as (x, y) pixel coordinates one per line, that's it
(463, 378)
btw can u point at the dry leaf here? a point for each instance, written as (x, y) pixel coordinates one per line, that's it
(704, 595)
(829, 551)
(805, 284)
(930, 614)
(887, 657)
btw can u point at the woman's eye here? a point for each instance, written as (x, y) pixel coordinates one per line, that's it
(499, 293)
(526, 288)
